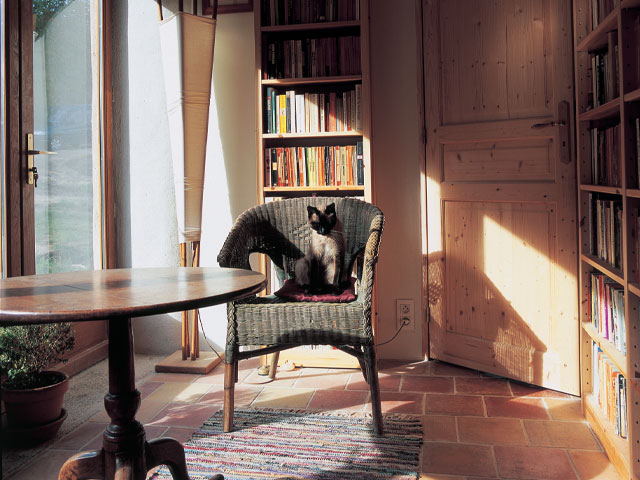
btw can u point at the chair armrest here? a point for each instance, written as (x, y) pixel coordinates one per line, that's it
(370, 260)
(235, 250)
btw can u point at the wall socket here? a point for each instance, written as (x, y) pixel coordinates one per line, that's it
(405, 310)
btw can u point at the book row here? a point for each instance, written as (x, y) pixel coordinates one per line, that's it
(604, 77)
(605, 156)
(314, 166)
(311, 57)
(610, 388)
(312, 112)
(291, 12)
(607, 310)
(598, 11)
(605, 228)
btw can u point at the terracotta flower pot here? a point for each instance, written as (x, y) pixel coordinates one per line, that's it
(37, 406)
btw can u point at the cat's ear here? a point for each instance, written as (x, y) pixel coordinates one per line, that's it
(329, 209)
(311, 210)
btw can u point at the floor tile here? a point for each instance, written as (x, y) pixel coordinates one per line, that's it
(412, 383)
(458, 459)
(284, 378)
(593, 465)
(173, 377)
(272, 397)
(82, 435)
(491, 431)
(323, 378)
(515, 407)
(180, 434)
(45, 467)
(183, 415)
(565, 409)
(525, 390)
(449, 370)
(178, 392)
(439, 428)
(388, 383)
(576, 435)
(335, 400)
(482, 386)
(243, 395)
(396, 402)
(148, 388)
(454, 404)
(536, 463)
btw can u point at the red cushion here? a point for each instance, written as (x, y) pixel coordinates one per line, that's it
(292, 291)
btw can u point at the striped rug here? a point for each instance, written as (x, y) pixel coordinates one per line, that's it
(289, 445)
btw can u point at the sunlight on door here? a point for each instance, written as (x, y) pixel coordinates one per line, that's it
(66, 81)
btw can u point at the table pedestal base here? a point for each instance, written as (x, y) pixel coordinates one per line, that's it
(125, 454)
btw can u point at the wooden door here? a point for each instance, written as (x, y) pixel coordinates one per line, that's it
(501, 193)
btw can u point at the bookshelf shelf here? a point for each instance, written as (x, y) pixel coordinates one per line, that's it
(601, 189)
(609, 110)
(597, 38)
(602, 267)
(607, 347)
(309, 27)
(617, 448)
(635, 289)
(610, 50)
(307, 191)
(633, 96)
(348, 134)
(290, 82)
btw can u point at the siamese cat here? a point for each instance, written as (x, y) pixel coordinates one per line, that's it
(322, 268)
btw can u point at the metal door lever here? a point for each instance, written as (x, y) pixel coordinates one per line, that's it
(32, 171)
(548, 124)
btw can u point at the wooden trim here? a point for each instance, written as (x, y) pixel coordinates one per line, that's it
(108, 181)
(311, 26)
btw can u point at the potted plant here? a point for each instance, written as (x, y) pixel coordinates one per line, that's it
(32, 394)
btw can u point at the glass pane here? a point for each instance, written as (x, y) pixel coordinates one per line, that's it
(66, 121)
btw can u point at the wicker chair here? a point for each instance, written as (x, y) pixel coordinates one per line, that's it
(280, 230)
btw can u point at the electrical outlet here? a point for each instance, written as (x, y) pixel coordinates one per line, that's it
(405, 311)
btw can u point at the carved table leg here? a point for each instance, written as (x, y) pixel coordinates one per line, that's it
(83, 466)
(169, 452)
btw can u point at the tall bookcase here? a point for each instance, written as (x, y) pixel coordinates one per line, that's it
(314, 110)
(607, 66)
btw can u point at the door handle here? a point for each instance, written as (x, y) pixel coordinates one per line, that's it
(548, 124)
(563, 133)
(32, 171)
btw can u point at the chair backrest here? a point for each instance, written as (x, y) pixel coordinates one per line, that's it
(281, 229)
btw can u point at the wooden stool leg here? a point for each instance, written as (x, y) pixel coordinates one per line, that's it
(230, 375)
(372, 374)
(83, 466)
(274, 365)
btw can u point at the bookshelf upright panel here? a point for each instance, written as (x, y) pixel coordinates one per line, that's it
(607, 39)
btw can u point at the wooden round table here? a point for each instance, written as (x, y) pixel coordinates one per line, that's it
(117, 296)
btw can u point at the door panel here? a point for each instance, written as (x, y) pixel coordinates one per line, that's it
(500, 191)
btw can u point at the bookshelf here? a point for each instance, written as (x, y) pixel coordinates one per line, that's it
(314, 115)
(607, 66)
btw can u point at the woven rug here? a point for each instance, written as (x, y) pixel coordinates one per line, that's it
(289, 445)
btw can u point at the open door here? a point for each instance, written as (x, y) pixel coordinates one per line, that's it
(501, 191)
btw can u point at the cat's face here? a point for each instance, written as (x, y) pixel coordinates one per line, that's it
(322, 221)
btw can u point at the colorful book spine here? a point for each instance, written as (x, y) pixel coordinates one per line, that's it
(610, 390)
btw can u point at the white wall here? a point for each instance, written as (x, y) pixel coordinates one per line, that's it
(146, 220)
(395, 151)
(145, 208)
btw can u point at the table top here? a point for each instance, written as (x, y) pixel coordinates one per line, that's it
(130, 292)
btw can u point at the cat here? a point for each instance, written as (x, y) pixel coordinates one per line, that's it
(322, 268)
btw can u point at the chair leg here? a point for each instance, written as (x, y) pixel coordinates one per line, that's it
(274, 365)
(372, 376)
(230, 376)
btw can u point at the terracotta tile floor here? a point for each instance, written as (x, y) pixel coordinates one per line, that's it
(475, 426)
